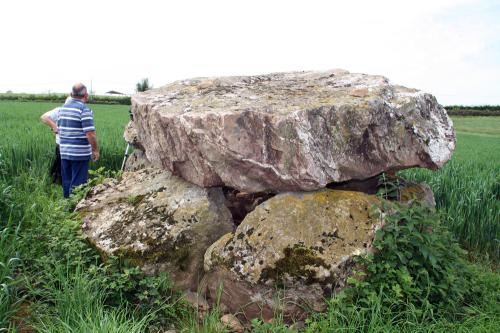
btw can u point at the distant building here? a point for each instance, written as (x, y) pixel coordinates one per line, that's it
(112, 92)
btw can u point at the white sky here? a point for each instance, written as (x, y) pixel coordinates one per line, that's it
(448, 48)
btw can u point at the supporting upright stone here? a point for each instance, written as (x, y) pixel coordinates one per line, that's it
(156, 221)
(302, 241)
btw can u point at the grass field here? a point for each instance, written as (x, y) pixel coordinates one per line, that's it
(467, 189)
(29, 144)
(477, 125)
(50, 275)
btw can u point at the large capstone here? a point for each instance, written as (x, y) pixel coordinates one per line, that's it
(157, 221)
(290, 131)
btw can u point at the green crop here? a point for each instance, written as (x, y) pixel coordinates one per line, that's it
(27, 144)
(467, 190)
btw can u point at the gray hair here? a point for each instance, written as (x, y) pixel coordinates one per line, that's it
(78, 90)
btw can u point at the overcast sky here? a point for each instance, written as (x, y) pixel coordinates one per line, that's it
(450, 48)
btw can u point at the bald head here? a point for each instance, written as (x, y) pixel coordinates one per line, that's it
(79, 91)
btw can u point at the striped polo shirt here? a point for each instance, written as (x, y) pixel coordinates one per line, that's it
(75, 119)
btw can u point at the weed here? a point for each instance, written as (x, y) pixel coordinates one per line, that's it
(416, 261)
(96, 177)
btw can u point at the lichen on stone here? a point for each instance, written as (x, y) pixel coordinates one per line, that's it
(156, 221)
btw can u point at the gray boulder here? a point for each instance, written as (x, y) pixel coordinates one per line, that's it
(157, 221)
(290, 131)
(137, 161)
(131, 136)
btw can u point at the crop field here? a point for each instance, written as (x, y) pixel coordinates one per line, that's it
(29, 144)
(51, 280)
(467, 189)
(477, 125)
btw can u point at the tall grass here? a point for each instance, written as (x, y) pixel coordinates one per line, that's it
(49, 241)
(467, 191)
(9, 256)
(53, 256)
(372, 317)
(27, 144)
(79, 306)
(8, 262)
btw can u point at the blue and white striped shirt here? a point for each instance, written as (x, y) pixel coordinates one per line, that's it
(75, 119)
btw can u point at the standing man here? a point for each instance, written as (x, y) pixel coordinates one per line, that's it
(78, 141)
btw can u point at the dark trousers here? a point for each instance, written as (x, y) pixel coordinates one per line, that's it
(55, 170)
(73, 173)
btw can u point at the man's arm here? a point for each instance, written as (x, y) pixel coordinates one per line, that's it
(47, 120)
(91, 136)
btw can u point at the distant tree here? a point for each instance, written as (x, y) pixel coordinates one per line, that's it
(143, 85)
(9, 92)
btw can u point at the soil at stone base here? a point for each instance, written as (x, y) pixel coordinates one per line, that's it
(20, 319)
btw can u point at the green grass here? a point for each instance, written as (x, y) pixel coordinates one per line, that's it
(467, 189)
(477, 125)
(8, 262)
(372, 317)
(79, 305)
(33, 223)
(27, 144)
(61, 279)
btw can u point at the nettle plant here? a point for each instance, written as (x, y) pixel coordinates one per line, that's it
(415, 261)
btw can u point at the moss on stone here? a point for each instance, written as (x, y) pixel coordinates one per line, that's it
(411, 192)
(296, 262)
(161, 253)
(134, 200)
